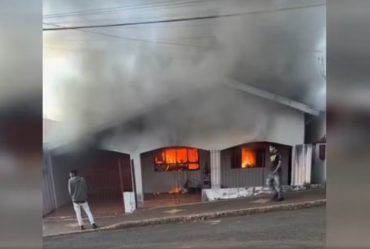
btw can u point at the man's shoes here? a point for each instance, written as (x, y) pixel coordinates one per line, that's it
(94, 226)
(280, 199)
(275, 197)
(82, 227)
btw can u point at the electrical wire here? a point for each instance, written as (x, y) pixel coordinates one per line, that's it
(183, 19)
(131, 39)
(115, 9)
(121, 8)
(108, 40)
(146, 26)
(100, 10)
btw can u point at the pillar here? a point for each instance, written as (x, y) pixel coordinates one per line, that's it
(138, 177)
(215, 169)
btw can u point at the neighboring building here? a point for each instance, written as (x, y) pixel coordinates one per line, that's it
(315, 129)
(315, 135)
(319, 162)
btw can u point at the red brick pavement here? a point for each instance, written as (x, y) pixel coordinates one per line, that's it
(51, 227)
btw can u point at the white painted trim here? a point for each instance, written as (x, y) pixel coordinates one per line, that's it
(270, 96)
(235, 193)
(138, 177)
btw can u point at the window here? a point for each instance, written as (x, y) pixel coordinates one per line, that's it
(247, 157)
(176, 159)
(322, 152)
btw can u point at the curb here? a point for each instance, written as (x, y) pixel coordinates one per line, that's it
(200, 217)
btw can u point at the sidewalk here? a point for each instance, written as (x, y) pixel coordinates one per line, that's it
(193, 212)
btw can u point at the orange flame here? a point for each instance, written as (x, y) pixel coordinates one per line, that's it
(176, 156)
(176, 190)
(248, 158)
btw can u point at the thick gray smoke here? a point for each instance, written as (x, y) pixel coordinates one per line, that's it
(118, 80)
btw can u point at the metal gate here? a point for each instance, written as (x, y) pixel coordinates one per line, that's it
(301, 164)
(108, 176)
(49, 200)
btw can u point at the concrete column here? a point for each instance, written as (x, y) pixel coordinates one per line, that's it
(138, 177)
(215, 169)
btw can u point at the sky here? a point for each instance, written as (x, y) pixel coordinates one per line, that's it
(58, 66)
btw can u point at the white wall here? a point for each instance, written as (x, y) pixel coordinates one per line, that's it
(214, 118)
(218, 117)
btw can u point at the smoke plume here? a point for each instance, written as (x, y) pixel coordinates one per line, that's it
(115, 80)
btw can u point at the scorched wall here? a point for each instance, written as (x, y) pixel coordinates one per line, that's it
(162, 182)
(253, 177)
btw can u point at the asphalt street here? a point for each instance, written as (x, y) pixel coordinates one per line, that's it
(297, 229)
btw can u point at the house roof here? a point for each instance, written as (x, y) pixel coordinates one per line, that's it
(321, 141)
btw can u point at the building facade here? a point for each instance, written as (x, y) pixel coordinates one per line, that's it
(208, 125)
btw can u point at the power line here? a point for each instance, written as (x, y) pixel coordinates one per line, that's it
(109, 40)
(94, 10)
(183, 19)
(146, 26)
(116, 9)
(121, 8)
(128, 38)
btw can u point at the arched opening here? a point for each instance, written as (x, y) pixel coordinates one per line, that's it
(107, 174)
(247, 165)
(174, 175)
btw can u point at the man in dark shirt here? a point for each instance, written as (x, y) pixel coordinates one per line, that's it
(274, 177)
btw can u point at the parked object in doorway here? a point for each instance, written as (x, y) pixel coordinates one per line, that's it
(234, 193)
(129, 202)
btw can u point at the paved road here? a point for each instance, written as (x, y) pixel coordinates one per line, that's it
(290, 229)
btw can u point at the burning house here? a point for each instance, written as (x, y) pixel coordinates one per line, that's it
(180, 121)
(217, 145)
(169, 158)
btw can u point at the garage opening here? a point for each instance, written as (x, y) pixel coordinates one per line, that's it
(174, 176)
(107, 174)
